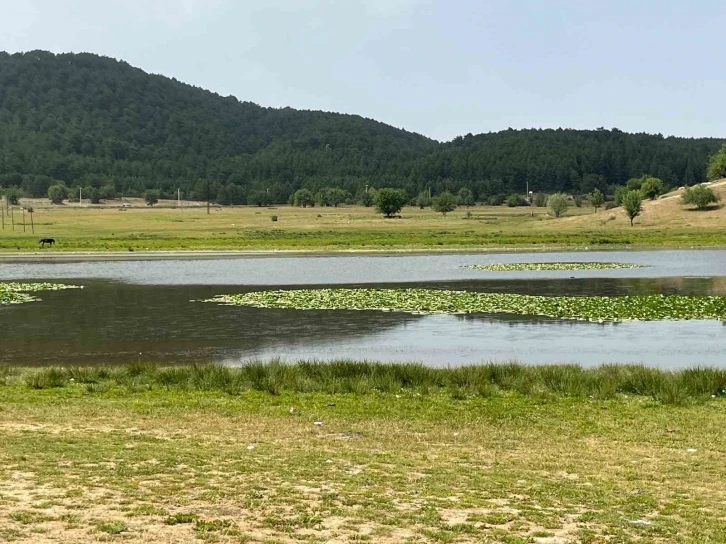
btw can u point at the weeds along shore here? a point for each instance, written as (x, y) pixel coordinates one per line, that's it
(365, 378)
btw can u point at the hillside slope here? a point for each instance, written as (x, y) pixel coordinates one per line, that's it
(665, 212)
(90, 120)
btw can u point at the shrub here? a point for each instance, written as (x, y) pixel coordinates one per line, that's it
(700, 196)
(515, 200)
(497, 200)
(274, 218)
(541, 200)
(57, 193)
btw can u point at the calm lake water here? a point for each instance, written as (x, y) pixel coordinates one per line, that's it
(143, 310)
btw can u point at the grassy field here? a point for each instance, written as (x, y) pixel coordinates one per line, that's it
(354, 453)
(664, 223)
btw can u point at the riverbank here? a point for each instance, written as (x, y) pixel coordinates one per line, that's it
(145, 455)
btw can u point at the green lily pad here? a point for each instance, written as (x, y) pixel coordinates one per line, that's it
(519, 267)
(434, 301)
(17, 293)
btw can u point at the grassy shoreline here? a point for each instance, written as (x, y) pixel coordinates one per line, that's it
(140, 454)
(355, 228)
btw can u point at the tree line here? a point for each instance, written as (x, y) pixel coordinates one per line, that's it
(91, 122)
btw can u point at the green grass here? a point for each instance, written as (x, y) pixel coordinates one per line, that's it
(346, 228)
(369, 378)
(497, 453)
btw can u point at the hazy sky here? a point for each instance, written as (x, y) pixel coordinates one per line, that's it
(441, 68)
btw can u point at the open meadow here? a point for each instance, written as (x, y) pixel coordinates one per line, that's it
(111, 227)
(355, 453)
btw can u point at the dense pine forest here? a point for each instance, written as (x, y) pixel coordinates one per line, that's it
(91, 121)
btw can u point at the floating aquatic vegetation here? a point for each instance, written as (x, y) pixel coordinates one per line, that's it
(433, 301)
(518, 267)
(17, 293)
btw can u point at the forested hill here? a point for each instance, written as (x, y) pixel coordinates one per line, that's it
(92, 121)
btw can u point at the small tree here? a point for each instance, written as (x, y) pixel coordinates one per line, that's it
(390, 201)
(466, 197)
(151, 196)
(92, 194)
(423, 200)
(57, 193)
(14, 194)
(596, 199)
(633, 204)
(444, 202)
(717, 164)
(514, 200)
(620, 192)
(303, 198)
(368, 198)
(259, 198)
(108, 191)
(541, 200)
(337, 196)
(558, 204)
(651, 187)
(700, 196)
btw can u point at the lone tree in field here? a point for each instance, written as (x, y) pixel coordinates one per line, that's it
(390, 201)
(632, 204)
(57, 193)
(304, 198)
(151, 197)
(700, 196)
(717, 164)
(445, 202)
(596, 199)
(651, 187)
(558, 204)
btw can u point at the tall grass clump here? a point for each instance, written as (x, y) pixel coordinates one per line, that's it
(47, 378)
(361, 378)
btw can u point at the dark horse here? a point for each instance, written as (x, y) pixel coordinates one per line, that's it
(49, 241)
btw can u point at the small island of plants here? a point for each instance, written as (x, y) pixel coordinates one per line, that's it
(435, 301)
(520, 267)
(17, 293)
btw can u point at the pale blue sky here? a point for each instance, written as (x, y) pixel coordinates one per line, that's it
(441, 68)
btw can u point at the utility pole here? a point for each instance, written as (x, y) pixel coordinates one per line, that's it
(80, 197)
(23, 219)
(32, 225)
(208, 196)
(178, 198)
(12, 218)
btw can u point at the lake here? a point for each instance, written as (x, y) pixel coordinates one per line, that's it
(147, 310)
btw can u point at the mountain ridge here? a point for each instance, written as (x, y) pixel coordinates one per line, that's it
(86, 120)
